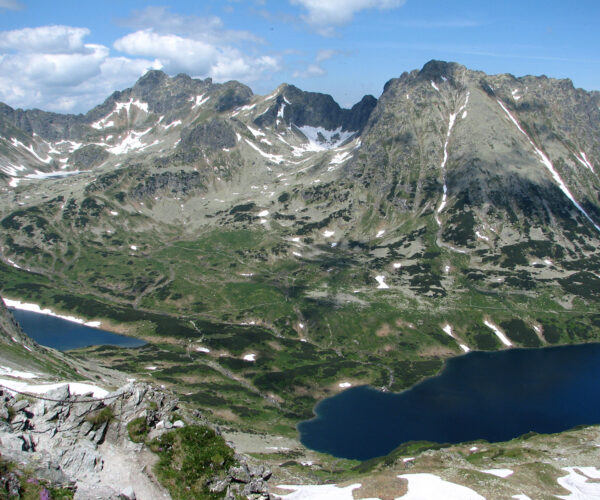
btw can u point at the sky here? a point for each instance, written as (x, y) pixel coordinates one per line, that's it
(68, 56)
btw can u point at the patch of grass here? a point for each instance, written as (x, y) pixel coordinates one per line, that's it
(188, 459)
(138, 430)
(100, 417)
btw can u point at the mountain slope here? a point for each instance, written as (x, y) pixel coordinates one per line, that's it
(273, 249)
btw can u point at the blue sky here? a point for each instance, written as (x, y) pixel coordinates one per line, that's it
(70, 55)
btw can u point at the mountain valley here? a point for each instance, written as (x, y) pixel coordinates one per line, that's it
(275, 250)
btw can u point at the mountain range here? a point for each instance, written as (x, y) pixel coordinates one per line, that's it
(273, 250)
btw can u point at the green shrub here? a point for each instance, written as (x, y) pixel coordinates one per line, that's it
(189, 458)
(97, 418)
(138, 430)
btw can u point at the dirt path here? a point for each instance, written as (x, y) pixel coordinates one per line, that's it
(124, 467)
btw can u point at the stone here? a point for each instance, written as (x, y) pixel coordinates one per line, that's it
(255, 486)
(178, 424)
(127, 494)
(20, 405)
(60, 393)
(240, 474)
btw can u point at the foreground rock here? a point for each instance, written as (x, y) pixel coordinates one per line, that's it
(82, 442)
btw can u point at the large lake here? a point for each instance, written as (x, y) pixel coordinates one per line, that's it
(63, 335)
(494, 396)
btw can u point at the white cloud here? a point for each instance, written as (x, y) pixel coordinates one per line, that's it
(51, 67)
(324, 14)
(312, 70)
(47, 39)
(10, 4)
(198, 58)
(325, 54)
(208, 29)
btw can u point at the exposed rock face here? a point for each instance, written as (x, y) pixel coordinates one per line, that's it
(65, 434)
(294, 106)
(69, 439)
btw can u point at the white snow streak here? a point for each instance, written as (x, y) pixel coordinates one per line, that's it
(451, 121)
(268, 156)
(498, 333)
(499, 472)
(24, 306)
(548, 164)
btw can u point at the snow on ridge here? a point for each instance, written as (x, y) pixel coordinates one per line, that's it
(127, 105)
(198, 101)
(131, 142)
(268, 156)
(341, 158)
(255, 133)
(503, 338)
(172, 124)
(434, 86)
(584, 161)
(322, 139)
(16, 143)
(548, 164)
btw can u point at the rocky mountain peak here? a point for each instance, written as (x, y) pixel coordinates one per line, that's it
(437, 71)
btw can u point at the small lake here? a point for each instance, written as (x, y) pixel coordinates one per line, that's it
(63, 335)
(494, 396)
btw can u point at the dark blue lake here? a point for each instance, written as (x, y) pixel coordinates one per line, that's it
(63, 335)
(494, 396)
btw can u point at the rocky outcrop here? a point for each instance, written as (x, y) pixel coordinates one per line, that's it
(75, 441)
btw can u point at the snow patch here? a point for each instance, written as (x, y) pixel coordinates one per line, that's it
(577, 483)
(250, 357)
(340, 158)
(380, 233)
(397, 265)
(264, 213)
(172, 124)
(481, 236)
(268, 156)
(202, 349)
(429, 486)
(5, 370)
(255, 133)
(498, 333)
(25, 306)
(75, 388)
(318, 492)
(321, 139)
(328, 234)
(434, 86)
(381, 281)
(344, 385)
(198, 101)
(499, 472)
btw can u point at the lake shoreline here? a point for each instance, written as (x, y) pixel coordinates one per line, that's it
(449, 382)
(31, 307)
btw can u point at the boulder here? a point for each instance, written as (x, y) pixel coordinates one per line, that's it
(127, 494)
